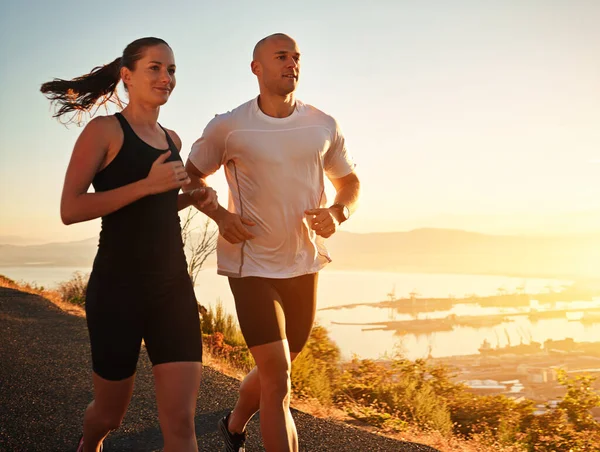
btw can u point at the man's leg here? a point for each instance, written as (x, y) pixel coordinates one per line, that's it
(299, 304)
(276, 423)
(248, 402)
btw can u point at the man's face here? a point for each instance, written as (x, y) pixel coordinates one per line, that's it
(277, 65)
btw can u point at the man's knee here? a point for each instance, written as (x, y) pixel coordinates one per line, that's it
(250, 387)
(276, 384)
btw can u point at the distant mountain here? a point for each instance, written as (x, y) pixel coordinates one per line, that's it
(420, 250)
(522, 223)
(61, 254)
(17, 240)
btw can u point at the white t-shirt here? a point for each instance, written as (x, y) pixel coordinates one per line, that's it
(275, 170)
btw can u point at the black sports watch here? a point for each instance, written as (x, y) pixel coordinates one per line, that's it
(340, 212)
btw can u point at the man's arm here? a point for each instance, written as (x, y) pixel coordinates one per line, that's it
(204, 199)
(347, 191)
(325, 221)
(197, 181)
(231, 226)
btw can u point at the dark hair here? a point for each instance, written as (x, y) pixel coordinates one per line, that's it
(81, 94)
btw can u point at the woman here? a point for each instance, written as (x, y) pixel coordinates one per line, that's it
(139, 287)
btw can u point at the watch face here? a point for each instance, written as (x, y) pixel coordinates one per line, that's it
(342, 213)
(346, 212)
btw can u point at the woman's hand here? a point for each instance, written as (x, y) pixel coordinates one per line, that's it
(165, 176)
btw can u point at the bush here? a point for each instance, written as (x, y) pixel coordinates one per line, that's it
(223, 338)
(579, 400)
(217, 321)
(73, 291)
(404, 390)
(238, 355)
(552, 432)
(499, 416)
(315, 371)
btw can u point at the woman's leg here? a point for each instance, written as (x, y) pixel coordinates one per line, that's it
(106, 411)
(177, 386)
(174, 345)
(115, 340)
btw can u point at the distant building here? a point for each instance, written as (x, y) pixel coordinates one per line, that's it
(538, 374)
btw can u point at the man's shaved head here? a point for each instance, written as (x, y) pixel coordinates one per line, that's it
(276, 64)
(259, 44)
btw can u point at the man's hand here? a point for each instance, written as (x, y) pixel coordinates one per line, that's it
(204, 199)
(322, 222)
(232, 227)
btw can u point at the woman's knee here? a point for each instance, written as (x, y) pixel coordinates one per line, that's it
(107, 420)
(111, 401)
(180, 423)
(113, 423)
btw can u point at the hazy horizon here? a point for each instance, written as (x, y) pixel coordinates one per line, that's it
(452, 223)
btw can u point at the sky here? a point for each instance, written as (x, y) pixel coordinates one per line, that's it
(466, 114)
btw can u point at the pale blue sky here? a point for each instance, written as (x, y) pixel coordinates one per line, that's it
(480, 115)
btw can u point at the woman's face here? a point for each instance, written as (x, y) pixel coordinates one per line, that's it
(153, 78)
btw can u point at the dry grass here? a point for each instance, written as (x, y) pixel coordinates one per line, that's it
(315, 408)
(429, 438)
(51, 295)
(452, 443)
(221, 365)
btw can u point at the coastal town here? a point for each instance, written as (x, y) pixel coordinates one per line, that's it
(526, 370)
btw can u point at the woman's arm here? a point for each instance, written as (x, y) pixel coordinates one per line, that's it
(89, 153)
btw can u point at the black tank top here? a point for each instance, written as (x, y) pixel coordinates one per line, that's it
(144, 236)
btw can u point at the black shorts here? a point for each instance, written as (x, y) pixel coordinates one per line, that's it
(271, 310)
(122, 310)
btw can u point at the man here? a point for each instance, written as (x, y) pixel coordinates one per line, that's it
(276, 151)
